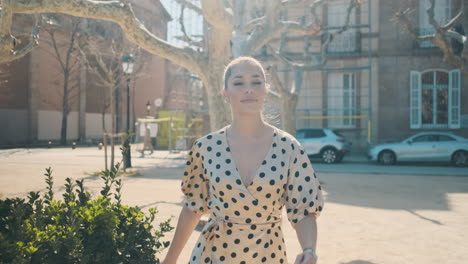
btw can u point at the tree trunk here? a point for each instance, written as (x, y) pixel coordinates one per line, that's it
(219, 111)
(63, 131)
(112, 107)
(288, 114)
(118, 109)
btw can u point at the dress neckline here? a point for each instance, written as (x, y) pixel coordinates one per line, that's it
(257, 171)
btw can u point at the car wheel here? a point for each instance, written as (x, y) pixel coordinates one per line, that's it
(387, 157)
(329, 155)
(460, 158)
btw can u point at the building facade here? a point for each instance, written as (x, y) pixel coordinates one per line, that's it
(31, 92)
(377, 84)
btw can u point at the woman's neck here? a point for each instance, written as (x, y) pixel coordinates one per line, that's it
(248, 126)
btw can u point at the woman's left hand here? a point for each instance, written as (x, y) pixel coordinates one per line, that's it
(305, 258)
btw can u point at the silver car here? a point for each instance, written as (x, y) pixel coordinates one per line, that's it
(425, 146)
(323, 143)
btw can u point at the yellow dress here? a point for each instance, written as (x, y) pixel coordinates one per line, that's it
(244, 224)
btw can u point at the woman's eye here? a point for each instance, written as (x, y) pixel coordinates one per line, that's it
(256, 83)
(238, 83)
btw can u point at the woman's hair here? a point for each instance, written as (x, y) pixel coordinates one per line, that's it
(239, 60)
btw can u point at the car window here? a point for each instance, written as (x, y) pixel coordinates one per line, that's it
(310, 133)
(300, 134)
(315, 133)
(425, 138)
(446, 138)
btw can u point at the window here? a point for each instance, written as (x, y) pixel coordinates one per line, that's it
(341, 100)
(336, 17)
(446, 138)
(442, 14)
(311, 133)
(425, 138)
(435, 99)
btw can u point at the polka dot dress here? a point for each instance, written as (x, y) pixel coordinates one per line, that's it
(244, 224)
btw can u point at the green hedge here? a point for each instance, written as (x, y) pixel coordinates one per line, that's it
(79, 229)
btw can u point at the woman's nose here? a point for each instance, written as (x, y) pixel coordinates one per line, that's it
(248, 89)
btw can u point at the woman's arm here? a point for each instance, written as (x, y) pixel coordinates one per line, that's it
(306, 230)
(188, 220)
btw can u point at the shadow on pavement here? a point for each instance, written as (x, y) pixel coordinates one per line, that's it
(394, 192)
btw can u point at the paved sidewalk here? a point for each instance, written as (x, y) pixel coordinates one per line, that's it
(369, 218)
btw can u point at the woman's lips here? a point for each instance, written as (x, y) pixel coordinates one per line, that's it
(249, 100)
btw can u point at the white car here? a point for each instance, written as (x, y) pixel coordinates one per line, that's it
(425, 146)
(323, 143)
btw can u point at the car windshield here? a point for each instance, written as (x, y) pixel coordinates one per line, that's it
(300, 134)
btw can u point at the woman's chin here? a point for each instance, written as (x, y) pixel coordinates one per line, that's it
(252, 111)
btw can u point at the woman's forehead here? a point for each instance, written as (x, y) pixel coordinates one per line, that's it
(246, 69)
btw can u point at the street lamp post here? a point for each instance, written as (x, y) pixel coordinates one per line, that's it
(127, 66)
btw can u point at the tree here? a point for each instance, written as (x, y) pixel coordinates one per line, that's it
(288, 97)
(455, 29)
(226, 35)
(66, 54)
(102, 48)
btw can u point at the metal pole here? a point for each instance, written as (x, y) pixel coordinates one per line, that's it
(170, 134)
(128, 105)
(128, 154)
(369, 57)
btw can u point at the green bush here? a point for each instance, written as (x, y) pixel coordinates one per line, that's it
(78, 229)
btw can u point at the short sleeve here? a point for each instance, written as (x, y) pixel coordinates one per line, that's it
(303, 190)
(194, 184)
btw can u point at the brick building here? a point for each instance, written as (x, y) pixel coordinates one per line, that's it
(377, 84)
(31, 88)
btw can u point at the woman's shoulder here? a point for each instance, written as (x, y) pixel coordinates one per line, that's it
(215, 137)
(286, 137)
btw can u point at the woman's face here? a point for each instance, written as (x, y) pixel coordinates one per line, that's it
(246, 90)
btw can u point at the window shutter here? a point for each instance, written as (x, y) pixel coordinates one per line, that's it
(454, 99)
(415, 100)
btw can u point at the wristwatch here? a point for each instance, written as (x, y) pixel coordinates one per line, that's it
(310, 251)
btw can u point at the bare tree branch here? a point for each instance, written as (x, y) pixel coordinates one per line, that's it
(275, 81)
(441, 34)
(216, 14)
(8, 42)
(457, 36)
(57, 52)
(186, 38)
(220, 31)
(119, 13)
(273, 28)
(456, 20)
(188, 4)
(10, 48)
(299, 3)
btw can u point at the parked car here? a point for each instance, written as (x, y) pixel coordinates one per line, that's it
(426, 146)
(323, 143)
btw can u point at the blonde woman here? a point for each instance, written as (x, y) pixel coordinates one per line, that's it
(243, 175)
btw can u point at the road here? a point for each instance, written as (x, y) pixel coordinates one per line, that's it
(374, 214)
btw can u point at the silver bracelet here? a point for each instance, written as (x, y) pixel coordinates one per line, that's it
(310, 251)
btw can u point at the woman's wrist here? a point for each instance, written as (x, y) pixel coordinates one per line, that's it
(311, 252)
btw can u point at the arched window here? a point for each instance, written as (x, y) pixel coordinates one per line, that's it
(435, 99)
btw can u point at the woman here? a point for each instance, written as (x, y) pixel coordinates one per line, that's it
(243, 175)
